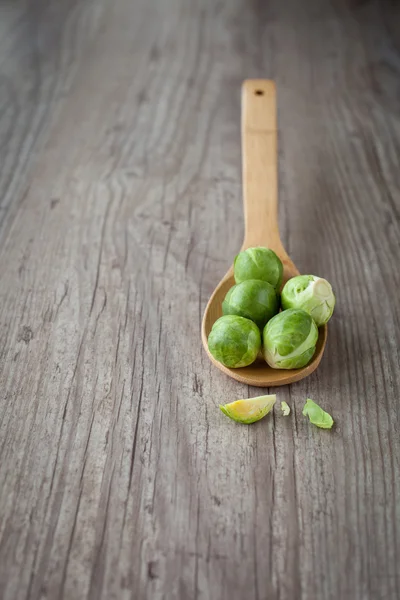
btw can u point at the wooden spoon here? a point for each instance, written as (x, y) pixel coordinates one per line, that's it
(260, 194)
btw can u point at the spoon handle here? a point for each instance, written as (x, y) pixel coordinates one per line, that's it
(260, 170)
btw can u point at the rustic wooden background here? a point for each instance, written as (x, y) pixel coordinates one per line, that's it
(121, 209)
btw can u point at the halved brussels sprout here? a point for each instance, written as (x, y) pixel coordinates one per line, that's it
(234, 341)
(249, 410)
(312, 294)
(290, 339)
(253, 299)
(259, 263)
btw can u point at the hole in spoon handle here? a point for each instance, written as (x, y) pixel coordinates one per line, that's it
(259, 156)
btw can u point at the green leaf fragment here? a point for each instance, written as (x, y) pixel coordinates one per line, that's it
(317, 416)
(249, 410)
(285, 408)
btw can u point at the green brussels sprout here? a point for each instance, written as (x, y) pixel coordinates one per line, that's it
(253, 299)
(234, 341)
(249, 410)
(290, 339)
(259, 263)
(312, 294)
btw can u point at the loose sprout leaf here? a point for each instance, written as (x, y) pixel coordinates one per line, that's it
(317, 416)
(285, 408)
(249, 410)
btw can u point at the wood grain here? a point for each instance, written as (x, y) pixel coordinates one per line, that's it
(40, 49)
(120, 174)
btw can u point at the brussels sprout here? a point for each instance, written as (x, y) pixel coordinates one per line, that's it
(234, 341)
(289, 339)
(253, 299)
(312, 294)
(249, 410)
(258, 263)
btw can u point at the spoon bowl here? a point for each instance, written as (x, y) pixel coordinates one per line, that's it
(259, 374)
(259, 151)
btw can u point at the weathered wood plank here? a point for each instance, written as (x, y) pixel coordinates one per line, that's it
(119, 478)
(40, 49)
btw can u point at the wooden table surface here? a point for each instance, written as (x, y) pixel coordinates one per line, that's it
(120, 192)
